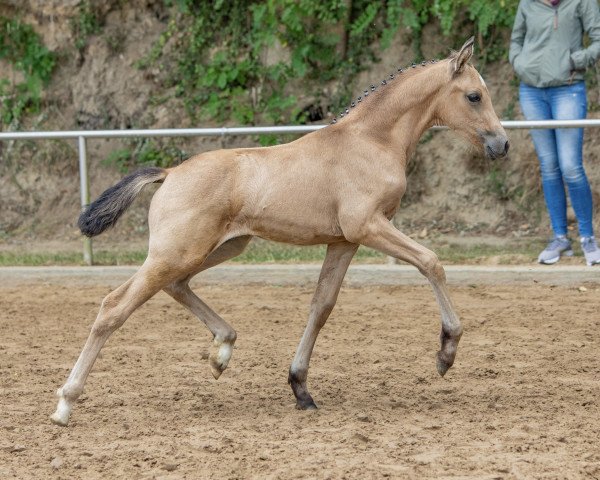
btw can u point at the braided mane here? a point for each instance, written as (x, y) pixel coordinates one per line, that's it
(372, 88)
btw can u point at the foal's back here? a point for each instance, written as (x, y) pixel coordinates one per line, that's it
(271, 192)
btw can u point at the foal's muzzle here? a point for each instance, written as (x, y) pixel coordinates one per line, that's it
(495, 145)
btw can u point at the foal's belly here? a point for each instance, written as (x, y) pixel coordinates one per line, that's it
(302, 240)
(295, 222)
(295, 229)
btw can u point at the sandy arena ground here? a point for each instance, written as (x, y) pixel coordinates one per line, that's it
(523, 400)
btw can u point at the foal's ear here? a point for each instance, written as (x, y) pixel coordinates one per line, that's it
(460, 60)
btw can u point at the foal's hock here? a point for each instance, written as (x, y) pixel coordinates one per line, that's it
(338, 186)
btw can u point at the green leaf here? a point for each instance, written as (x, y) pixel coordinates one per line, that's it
(364, 21)
(222, 80)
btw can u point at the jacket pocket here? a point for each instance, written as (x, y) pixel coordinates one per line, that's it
(525, 70)
(556, 67)
(517, 65)
(578, 60)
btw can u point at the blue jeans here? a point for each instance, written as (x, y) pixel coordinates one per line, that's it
(560, 152)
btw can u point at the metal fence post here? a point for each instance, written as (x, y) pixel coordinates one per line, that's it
(85, 196)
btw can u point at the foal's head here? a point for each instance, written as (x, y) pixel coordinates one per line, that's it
(465, 106)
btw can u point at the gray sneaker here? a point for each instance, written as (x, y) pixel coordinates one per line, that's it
(558, 246)
(590, 250)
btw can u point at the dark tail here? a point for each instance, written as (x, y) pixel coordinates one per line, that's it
(104, 212)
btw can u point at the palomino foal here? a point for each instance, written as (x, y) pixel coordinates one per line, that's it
(338, 186)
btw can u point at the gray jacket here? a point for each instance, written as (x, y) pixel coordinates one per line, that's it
(546, 45)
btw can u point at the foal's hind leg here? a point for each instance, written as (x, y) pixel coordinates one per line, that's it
(224, 335)
(115, 309)
(334, 268)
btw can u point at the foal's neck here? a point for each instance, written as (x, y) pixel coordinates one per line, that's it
(398, 113)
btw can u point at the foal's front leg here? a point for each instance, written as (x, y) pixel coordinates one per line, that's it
(334, 268)
(381, 235)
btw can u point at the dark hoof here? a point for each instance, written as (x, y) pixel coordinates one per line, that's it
(303, 399)
(306, 405)
(442, 365)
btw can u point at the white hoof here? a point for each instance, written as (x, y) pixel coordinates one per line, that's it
(63, 411)
(218, 361)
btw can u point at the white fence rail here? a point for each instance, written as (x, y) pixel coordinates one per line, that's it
(83, 135)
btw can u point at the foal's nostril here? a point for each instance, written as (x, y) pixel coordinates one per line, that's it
(506, 147)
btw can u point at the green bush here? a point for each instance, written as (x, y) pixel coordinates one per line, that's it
(21, 46)
(145, 152)
(216, 56)
(86, 23)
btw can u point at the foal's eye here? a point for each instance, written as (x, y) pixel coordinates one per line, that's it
(474, 97)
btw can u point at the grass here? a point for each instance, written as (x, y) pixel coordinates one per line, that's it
(261, 251)
(270, 252)
(101, 257)
(484, 253)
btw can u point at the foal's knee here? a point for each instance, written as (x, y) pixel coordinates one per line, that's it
(432, 268)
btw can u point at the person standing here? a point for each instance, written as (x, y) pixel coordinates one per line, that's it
(547, 54)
